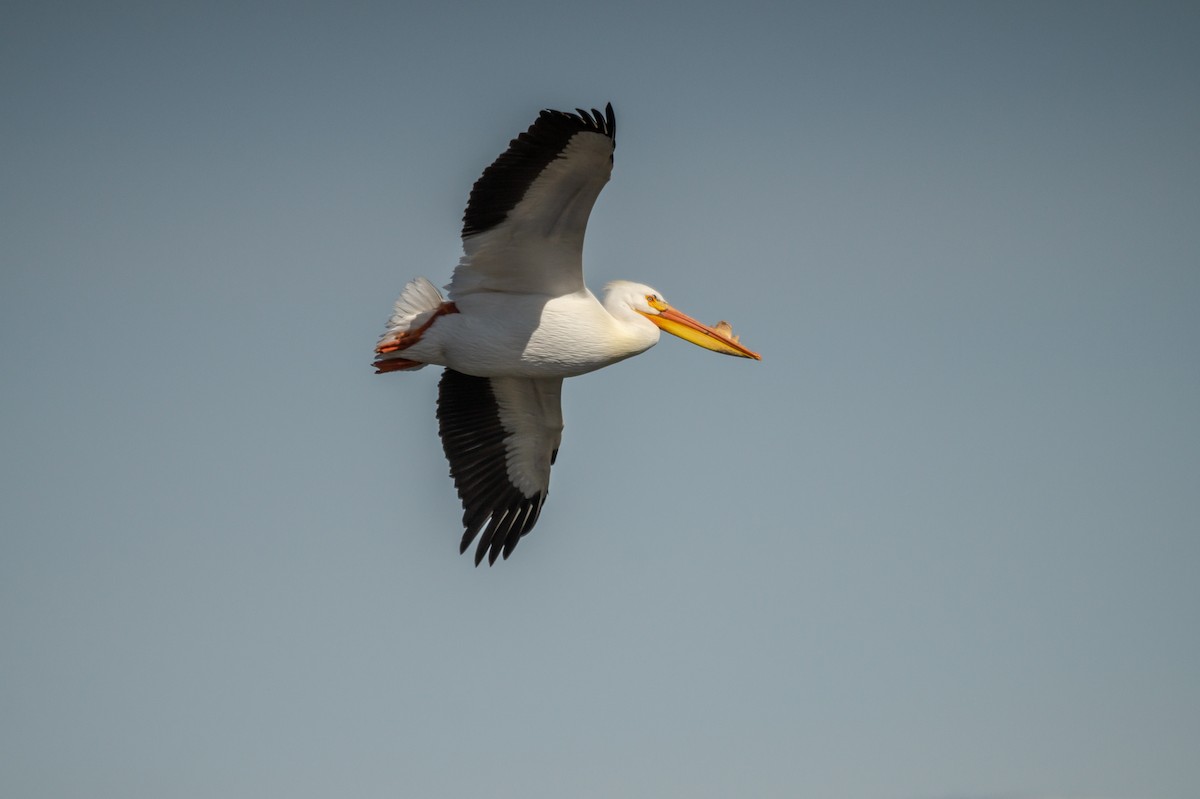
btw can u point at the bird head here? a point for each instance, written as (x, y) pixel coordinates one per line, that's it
(649, 303)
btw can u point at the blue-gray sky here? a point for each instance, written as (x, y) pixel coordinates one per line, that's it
(942, 542)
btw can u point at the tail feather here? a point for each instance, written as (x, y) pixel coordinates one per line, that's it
(416, 308)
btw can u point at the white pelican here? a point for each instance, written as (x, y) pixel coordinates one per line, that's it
(519, 319)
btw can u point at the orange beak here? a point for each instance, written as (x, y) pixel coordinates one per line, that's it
(685, 327)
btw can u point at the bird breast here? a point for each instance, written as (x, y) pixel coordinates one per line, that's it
(513, 335)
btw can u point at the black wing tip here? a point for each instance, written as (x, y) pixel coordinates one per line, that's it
(504, 182)
(593, 121)
(505, 528)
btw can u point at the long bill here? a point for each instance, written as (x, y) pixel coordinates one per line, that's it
(685, 327)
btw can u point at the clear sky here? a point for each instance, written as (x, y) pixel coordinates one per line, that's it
(941, 543)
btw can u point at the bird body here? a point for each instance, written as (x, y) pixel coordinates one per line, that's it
(529, 342)
(519, 319)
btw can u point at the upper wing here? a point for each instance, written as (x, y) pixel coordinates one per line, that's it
(501, 435)
(524, 224)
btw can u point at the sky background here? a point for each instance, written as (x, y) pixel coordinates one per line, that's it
(942, 542)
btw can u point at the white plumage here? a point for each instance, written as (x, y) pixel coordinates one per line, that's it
(519, 319)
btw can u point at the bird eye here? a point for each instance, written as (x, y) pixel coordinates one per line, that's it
(656, 302)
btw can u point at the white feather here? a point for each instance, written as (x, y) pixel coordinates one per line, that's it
(531, 412)
(413, 307)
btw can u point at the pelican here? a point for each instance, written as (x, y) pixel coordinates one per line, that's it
(518, 318)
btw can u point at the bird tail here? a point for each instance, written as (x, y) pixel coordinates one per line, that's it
(416, 308)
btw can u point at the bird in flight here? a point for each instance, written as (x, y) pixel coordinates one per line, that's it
(518, 319)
